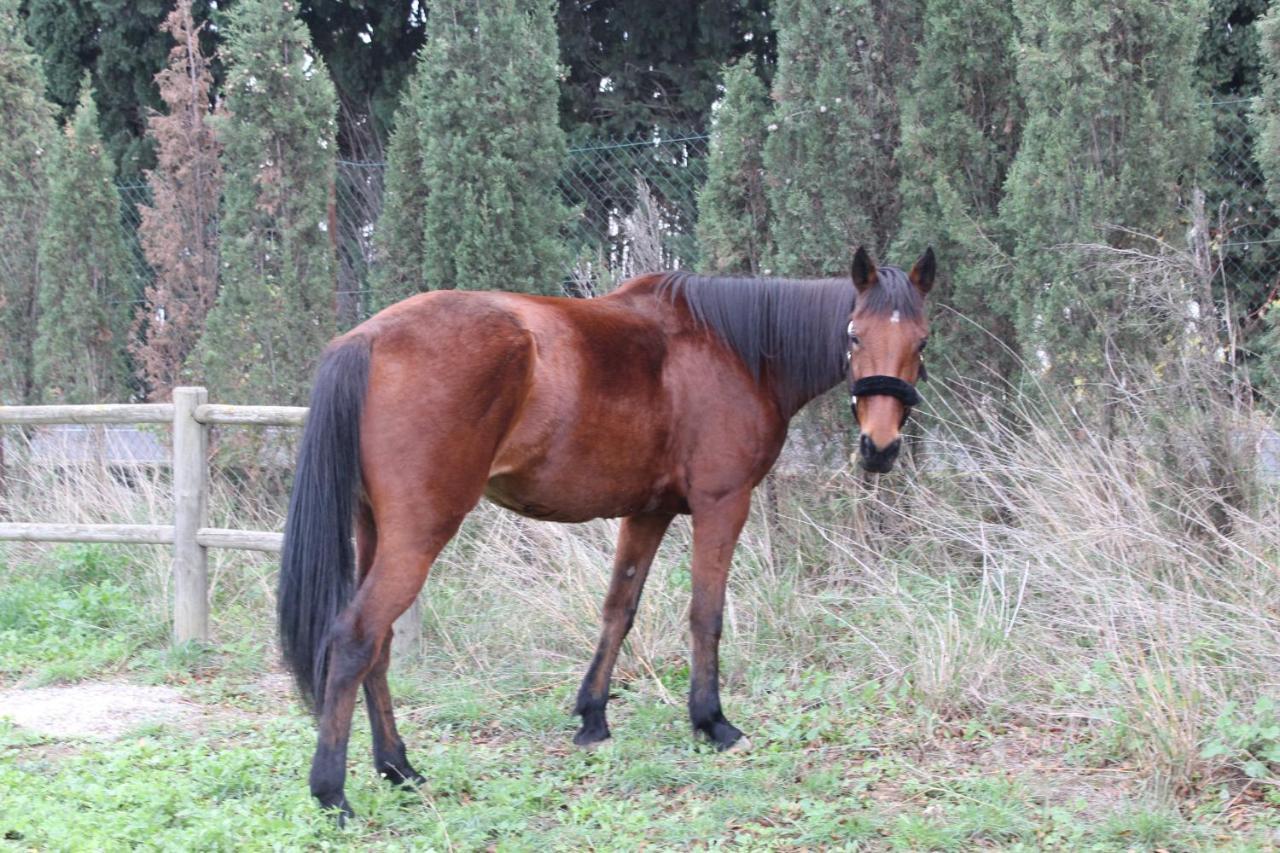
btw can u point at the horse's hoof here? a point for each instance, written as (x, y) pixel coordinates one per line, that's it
(406, 778)
(590, 739)
(340, 809)
(724, 736)
(742, 744)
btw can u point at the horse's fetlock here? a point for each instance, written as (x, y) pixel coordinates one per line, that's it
(705, 712)
(589, 704)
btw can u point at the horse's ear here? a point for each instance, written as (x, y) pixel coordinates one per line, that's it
(864, 270)
(921, 274)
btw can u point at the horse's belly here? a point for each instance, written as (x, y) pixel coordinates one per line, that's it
(574, 499)
(574, 457)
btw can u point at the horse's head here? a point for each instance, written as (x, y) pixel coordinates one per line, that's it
(887, 335)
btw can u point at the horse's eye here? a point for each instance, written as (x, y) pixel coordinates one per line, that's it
(854, 340)
(924, 344)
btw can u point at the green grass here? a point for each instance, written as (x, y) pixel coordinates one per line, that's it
(838, 763)
(73, 615)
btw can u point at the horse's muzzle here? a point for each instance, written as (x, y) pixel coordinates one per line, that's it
(877, 460)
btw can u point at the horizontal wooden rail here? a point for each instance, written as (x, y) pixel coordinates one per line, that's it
(211, 413)
(113, 534)
(113, 413)
(139, 534)
(247, 540)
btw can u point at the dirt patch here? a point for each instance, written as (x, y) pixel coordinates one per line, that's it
(95, 710)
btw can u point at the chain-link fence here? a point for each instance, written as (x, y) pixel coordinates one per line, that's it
(635, 207)
(633, 203)
(1245, 222)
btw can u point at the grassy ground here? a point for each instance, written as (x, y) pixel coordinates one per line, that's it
(842, 761)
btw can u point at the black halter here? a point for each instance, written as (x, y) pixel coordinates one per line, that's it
(888, 386)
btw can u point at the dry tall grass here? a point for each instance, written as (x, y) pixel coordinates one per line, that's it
(1023, 567)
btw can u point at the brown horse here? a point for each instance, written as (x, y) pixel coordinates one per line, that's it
(670, 396)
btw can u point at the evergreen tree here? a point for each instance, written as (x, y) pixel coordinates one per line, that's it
(1230, 65)
(122, 44)
(1265, 364)
(633, 65)
(830, 154)
(179, 230)
(27, 135)
(959, 137)
(1113, 124)
(733, 227)
(1265, 346)
(64, 32)
(87, 283)
(275, 311)
(369, 50)
(400, 258)
(482, 112)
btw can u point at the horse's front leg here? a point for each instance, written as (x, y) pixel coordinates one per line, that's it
(637, 543)
(716, 526)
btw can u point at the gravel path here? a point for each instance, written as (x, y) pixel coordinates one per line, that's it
(97, 710)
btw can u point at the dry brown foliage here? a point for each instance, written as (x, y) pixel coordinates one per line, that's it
(179, 232)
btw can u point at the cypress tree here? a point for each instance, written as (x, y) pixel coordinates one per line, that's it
(641, 64)
(1113, 124)
(179, 230)
(733, 228)
(478, 156)
(121, 43)
(400, 259)
(830, 154)
(1265, 348)
(369, 50)
(27, 135)
(1230, 66)
(275, 310)
(1265, 365)
(1266, 111)
(87, 284)
(959, 137)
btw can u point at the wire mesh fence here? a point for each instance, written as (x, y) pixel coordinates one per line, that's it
(634, 207)
(1245, 221)
(633, 204)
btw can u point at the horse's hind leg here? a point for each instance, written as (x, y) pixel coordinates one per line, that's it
(637, 543)
(388, 749)
(359, 639)
(389, 757)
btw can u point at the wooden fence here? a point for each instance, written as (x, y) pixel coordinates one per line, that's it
(190, 415)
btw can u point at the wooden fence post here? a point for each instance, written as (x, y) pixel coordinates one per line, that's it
(190, 513)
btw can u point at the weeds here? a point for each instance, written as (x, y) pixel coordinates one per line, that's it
(884, 643)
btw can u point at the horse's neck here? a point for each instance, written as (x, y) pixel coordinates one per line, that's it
(777, 381)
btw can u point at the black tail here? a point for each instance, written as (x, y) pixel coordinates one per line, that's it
(317, 565)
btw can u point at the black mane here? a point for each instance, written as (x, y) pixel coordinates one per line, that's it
(795, 327)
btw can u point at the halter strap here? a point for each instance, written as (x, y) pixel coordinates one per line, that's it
(887, 386)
